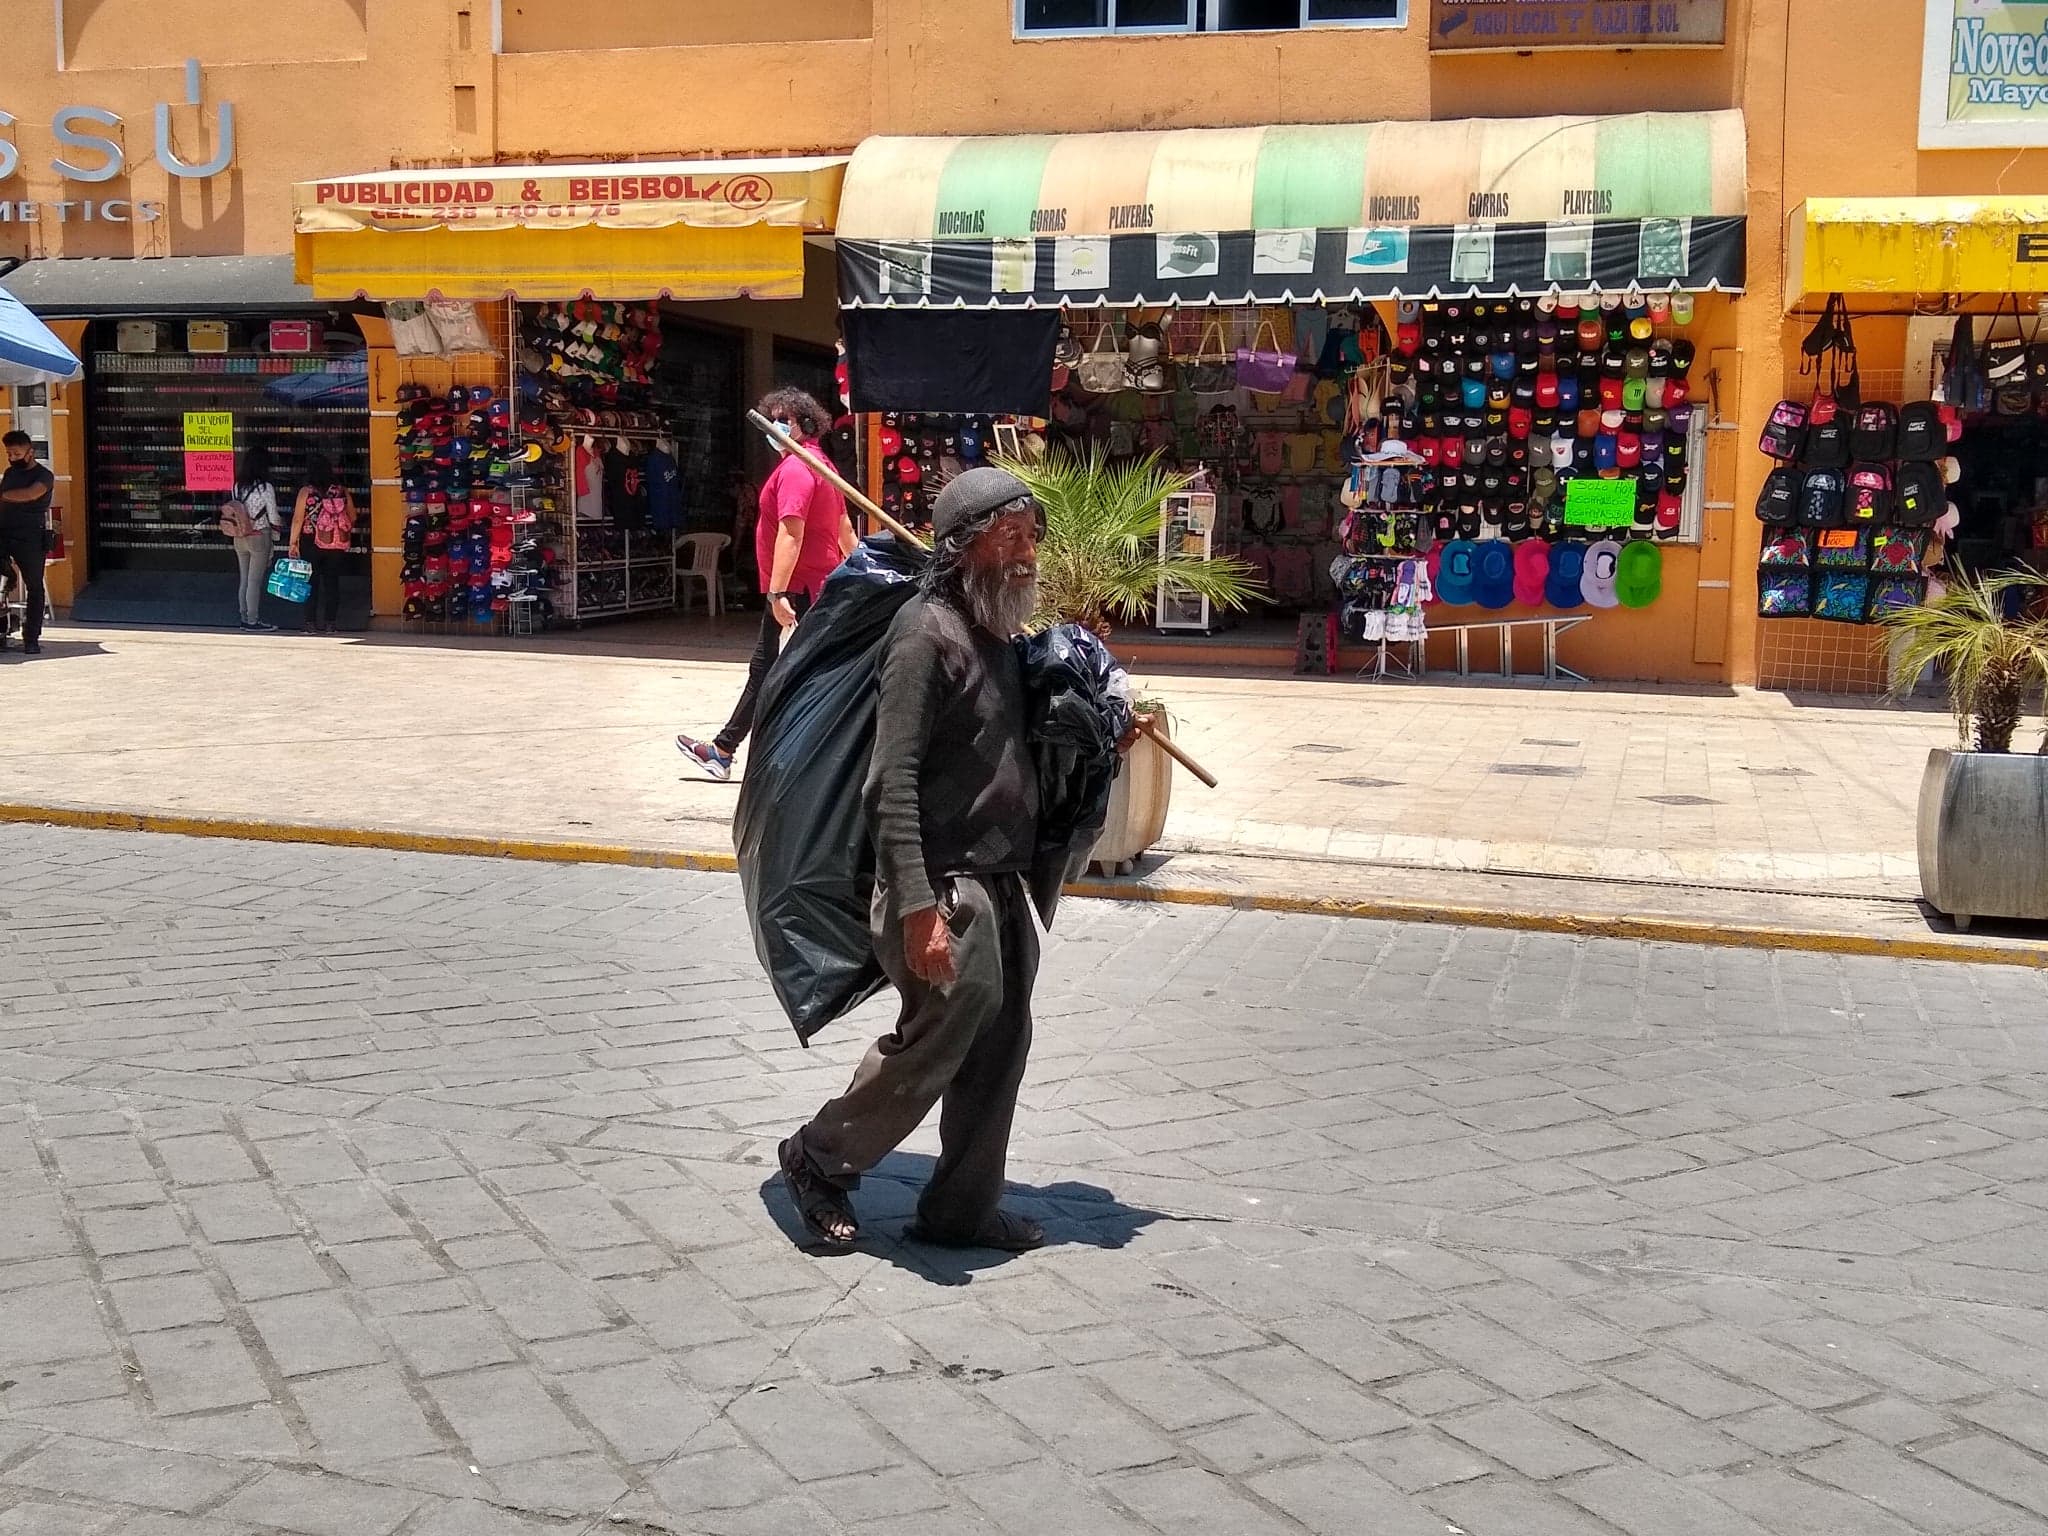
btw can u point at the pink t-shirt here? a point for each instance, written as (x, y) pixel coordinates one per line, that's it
(794, 491)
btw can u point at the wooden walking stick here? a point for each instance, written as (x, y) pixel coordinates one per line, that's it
(784, 443)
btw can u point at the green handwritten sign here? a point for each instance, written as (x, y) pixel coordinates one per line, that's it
(1590, 503)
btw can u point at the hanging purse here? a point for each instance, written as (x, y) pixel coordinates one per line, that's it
(1102, 367)
(1264, 367)
(1213, 370)
(2012, 373)
(2005, 359)
(1962, 376)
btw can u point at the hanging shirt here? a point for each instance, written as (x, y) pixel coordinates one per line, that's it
(664, 489)
(589, 471)
(625, 489)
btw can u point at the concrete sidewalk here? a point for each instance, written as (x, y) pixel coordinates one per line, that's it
(1668, 800)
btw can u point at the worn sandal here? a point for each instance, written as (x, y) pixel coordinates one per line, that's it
(1004, 1231)
(826, 1212)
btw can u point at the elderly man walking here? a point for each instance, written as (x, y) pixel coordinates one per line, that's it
(952, 806)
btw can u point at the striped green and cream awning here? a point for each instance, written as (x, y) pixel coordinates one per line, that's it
(950, 221)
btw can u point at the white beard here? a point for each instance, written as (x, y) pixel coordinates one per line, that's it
(997, 601)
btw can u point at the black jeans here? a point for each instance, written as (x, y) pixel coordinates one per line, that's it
(324, 602)
(766, 649)
(22, 540)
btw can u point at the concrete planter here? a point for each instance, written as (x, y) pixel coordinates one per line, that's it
(1137, 807)
(1984, 834)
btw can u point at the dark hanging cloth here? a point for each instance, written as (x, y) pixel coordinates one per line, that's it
(981, 362)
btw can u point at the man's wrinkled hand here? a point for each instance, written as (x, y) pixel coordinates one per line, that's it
(928, 947)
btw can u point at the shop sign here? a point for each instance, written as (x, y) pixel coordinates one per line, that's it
(1468, 26)
(542, 200)
(1591, 503)
(209, 451)
(112, 210)
(1984, 74)
(89, 140)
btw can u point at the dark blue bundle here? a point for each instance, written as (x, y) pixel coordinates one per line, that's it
(1078, 713)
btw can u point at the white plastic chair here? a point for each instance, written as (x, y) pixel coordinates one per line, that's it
(705, 548)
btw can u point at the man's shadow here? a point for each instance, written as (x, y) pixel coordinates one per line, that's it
(1073, 1215)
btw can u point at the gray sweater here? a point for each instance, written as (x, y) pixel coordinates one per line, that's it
(951, 789)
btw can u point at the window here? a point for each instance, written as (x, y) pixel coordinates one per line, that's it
(1070, 18)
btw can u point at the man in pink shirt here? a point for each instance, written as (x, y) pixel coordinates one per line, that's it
(801, 536)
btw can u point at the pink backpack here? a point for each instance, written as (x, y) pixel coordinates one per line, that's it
(333, 523)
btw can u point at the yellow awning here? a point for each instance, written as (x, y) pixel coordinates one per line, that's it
(757, 261)
(683, 229)
(1897, 245)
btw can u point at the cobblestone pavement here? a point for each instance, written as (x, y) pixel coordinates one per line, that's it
(365, 1194)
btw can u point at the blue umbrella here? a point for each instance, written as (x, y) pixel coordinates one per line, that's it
(29, 354)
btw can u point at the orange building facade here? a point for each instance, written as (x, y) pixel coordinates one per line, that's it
(1830, 92)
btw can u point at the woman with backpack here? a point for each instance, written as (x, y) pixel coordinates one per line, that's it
(323, 523)
(251, 520)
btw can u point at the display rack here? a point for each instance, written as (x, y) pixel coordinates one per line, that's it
(1188, 527)
(610, 572)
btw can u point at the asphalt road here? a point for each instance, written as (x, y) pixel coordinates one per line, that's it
(366, 1194)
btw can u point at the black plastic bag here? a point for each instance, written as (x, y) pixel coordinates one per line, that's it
(807, 867)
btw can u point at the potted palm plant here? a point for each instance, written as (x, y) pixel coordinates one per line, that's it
(1100, 562)
(1983, 821)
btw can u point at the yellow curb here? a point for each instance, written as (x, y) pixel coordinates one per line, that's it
(1664, 930)
(360, 837)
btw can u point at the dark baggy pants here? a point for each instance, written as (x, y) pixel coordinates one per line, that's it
(966, 1043)
(23, 541)
(766, 649)
(323, 602)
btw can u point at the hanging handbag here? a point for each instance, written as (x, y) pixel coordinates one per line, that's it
(1963, 385)
(2005, 359)
(1102, 367)
(2011, 370)
(1264, 367)
(1213, 370)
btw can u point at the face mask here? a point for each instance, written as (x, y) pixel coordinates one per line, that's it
(786, 428)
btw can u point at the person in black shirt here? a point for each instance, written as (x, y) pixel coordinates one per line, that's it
(25, 491)
(952, 807)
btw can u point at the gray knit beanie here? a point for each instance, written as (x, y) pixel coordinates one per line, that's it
(972, 496)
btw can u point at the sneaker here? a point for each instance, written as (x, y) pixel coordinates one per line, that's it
(711, 762)
(262, 628)
(33, 647)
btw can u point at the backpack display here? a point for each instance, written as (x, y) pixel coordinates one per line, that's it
(1874, 432)
(1784, 435)
(1823, 499)
(1778, 502)
(1919, 495)
(1870, 492)
(1926, 429)
(1827, 434)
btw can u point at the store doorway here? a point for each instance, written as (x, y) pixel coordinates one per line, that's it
(2002, 495)
(154, 548)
